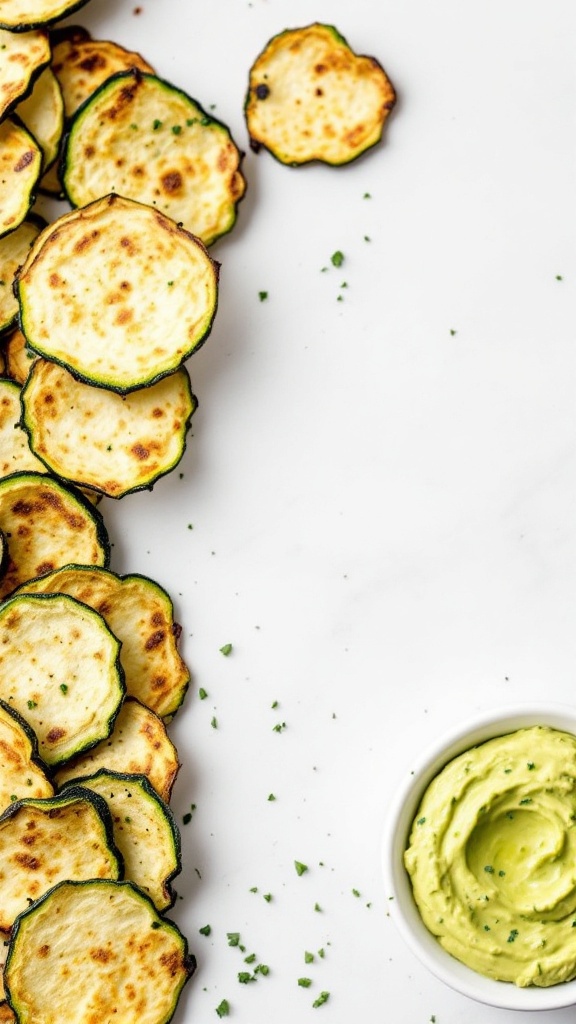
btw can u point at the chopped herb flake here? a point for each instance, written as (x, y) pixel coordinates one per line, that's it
(300, 868)
(304, 982)
(233, 938)
(205, 930)
(262, 296)
(214, 722)
(64, 687)
(322, 998)
(337, 258)
(226, 649)
(202, 693)
(262, 969)
(223, 1009)
(268, 897)
(244, 977)
(308, 957)
(271, 796)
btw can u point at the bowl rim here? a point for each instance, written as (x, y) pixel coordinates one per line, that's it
(398, 891)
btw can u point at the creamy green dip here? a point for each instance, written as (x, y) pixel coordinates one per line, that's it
(492, 857)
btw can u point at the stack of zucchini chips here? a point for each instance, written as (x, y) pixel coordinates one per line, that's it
(99, 310)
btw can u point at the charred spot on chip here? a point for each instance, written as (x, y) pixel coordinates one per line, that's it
(24, 161)
(172, 182)
(262, 91)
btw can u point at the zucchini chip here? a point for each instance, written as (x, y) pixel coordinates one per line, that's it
(21, 772)
(145, 139)
(81, 64)
(20, 163)
(97, 952)
(15, 454)
(13, 251)
(310, 97)
(47, 525)
(18, 361)
(19, 15)
(96, 438)
(43, 115)
(140, 613)
(43, 842)
(145, 832)
(60, 669)
(23, 57)
(138, 745)
(117, 293)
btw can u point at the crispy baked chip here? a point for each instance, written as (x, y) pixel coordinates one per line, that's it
(140, 613)
(43, 842)
(121, 960)
(310, 97)
(23, 57)
(60, 669)
(81, 64)
(117, 293)
(22, 774)
(145, 139)
(43, 114)
(138, 745)
(20, 163)
(96, 438)
(13, 251)
(19, 15)
(145, 832)
(46, 525)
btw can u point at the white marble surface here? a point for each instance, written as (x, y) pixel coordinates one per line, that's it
(381, 490)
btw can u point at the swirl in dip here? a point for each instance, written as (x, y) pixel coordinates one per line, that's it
(492, 857)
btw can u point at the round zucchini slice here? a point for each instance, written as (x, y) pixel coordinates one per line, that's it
(138, 745)
(14, 248)
(117, 293)
(47, 525)
(140, 613)
(81, 64)
(145, 832)
(96, 438)
(43, 115)
(96, 951)
(43, 842)
(143, 138)
(310, 97)
(60, 669)
(23, 57)
(22, 774)
(20, 15)
(20, 164)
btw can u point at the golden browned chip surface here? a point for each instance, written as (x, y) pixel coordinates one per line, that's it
(138, 745)
(15, 454)
(81, 64)
(118, 293)
(18, 359)
(140, 613)
(310, 97)
(96, 952)
(43, 114)
(141, 137)
(20, 164)
(24, 54)
(46, 841)
(46, 525)
(97, 438)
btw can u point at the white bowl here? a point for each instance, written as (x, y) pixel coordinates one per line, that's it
(397, 883)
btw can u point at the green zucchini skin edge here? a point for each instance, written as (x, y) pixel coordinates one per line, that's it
(31, 736)
(94, 513)
(136, 73)
(74, 793)
(53, 767)
(163, 808)
(189, 958)
(149, 485)
(69, 9)
(256, 146)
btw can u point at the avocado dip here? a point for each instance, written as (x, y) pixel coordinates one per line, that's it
(492, 857)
